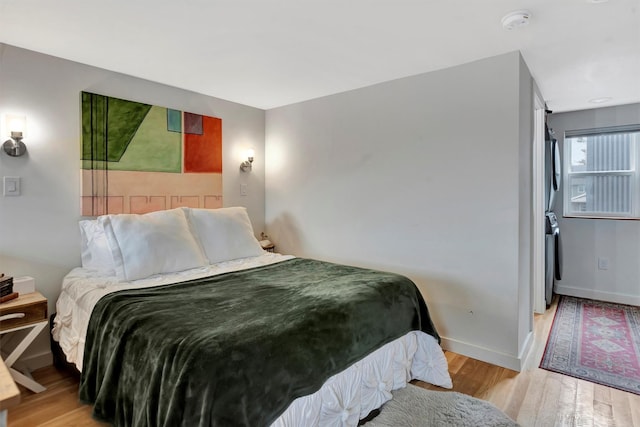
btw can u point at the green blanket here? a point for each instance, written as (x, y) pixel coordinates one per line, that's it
(238, 348)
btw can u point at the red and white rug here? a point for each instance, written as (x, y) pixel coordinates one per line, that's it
(595, 341)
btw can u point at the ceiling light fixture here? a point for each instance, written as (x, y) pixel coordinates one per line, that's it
(597, 1)
(517, 19)
(600, 100)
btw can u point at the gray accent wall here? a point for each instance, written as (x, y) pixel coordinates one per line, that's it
(428, 176)
(585, 240)
(39, 234)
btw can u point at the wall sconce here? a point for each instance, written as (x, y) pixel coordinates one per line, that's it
(16, 126)
(246, 165)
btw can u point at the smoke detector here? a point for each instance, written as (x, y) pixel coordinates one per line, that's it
(516, 19)
(600, 100)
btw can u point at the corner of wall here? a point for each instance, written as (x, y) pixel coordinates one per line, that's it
(483, 354)
(525, 197)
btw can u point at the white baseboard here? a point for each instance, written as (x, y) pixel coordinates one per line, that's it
(37, 361)
(509, 361)
(526, 350)
(597, 295)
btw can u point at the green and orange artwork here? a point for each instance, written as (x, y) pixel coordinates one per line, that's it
(139, 158)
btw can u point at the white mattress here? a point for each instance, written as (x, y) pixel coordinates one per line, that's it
(343, 399)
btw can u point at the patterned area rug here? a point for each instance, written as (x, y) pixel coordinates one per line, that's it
(596, 341)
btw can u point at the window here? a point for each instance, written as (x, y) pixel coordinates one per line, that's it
(601, 172)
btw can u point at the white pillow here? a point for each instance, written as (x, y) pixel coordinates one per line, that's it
(153, 243)
(224, 233)
(94, 247)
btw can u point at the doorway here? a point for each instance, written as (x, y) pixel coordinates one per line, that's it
(538, 240)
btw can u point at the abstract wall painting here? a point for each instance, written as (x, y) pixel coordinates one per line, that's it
(139, 158)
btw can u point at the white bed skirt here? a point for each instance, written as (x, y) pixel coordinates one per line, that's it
(352, 394)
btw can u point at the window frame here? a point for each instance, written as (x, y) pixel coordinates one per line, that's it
(634, 172)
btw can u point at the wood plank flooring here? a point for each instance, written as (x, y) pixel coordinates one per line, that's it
(536, 397)
(533, 397)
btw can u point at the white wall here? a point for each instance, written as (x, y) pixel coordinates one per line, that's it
(421, 176)
(584, 240)
(525, 208)
(39, 234)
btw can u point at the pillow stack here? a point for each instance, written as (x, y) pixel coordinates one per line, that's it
(133, 246)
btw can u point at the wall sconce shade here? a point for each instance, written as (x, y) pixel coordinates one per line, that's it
(247, 164)
(16, 126)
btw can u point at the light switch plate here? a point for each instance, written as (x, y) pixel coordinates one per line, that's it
(11, 185)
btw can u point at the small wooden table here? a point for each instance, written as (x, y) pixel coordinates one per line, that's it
(27, 312)
(9, 393)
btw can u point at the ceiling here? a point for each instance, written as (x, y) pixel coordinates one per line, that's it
(269, 53)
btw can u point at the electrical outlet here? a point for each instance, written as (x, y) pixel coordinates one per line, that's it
(603, 263)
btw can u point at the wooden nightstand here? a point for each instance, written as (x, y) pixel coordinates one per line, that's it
(27, 312)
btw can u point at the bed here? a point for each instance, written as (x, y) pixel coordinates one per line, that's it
(179, 318)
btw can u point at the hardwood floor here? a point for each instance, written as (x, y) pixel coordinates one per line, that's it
(536, 397)
(533, 397)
